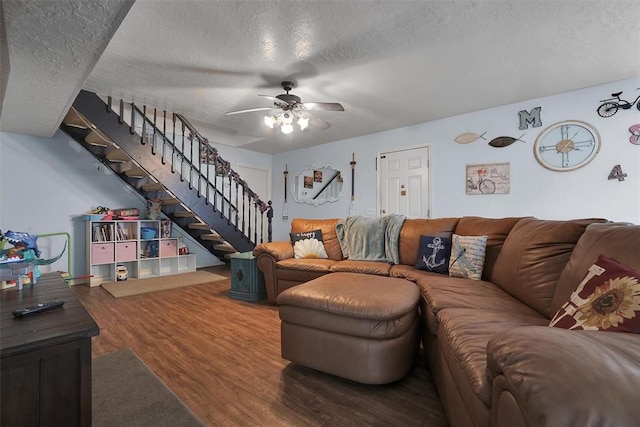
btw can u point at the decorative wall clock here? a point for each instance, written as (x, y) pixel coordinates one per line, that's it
(567, 145)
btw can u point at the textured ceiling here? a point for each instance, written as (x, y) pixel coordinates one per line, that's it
(390, 63)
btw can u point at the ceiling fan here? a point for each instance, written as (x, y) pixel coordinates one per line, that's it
(293, 108)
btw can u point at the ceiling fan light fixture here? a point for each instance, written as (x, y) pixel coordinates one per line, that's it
(287, 118)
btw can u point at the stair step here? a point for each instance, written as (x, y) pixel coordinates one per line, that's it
(212, 237)
(98, 139)
(154, 186)
(74, 119)
(183, 214)
(198, 226)
(118, 156)
(225, 247)
(136, 172)
(169, 201)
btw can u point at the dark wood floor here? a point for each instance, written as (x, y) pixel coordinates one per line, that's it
(222, 358)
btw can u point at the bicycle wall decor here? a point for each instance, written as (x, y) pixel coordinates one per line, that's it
(610, 106)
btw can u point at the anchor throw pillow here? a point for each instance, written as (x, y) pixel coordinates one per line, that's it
(607, 299)
(433, 254)
(467, 256)
(308, 244)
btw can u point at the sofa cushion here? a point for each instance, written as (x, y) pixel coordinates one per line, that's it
(569, 378)
(434, 254)
(412, 229)
(308, 244)
(496, 230)
(409, 272)
(607, 299)
(363, 267)
(306, 264)
(615, 240)
(467, 256)
(532, 258)
(328, 228)
(463, 337)
(442, 292)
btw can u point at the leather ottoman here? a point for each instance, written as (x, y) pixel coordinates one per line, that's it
(356, 326)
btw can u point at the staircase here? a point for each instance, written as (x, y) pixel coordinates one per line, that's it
(165, 159)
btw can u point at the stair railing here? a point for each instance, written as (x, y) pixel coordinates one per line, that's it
(188, 153)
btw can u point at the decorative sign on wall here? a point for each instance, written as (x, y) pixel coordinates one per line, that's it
(611, 105)
(468, 137)
(530, 118)
(504, 141)
(635, 134)
(616, 172)
(488, 178)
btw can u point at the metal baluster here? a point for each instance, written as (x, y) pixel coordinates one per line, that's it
(144, 124)
(182, 153)
(199, 174)
(132, 129)
(108, 104)
(249, 221)
(120, 119)
(261, 226)
(155, 127)
(237, 201)
(173, 145)
(255, 223)
(230, 204)
(164, 135)
(244, 207)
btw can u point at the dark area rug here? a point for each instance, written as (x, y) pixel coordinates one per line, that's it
(127, 393)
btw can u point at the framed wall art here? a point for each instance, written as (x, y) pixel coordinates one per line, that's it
(488, 178)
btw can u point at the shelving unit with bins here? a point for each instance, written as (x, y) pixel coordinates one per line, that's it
(127, 243)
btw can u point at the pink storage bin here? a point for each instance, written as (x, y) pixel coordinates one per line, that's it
(126, 251)
(102, 253)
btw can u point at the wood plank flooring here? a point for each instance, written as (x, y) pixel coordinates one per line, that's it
(222, 358)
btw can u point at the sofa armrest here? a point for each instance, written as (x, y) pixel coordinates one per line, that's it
(267, 255)
(546, 376)
(277, 250)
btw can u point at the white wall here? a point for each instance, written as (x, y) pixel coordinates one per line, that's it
(585, 192)
(47, 184)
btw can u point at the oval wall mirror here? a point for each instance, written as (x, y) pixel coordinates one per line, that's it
(315, 185)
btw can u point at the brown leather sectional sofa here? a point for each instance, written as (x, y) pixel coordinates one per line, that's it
(494, 359)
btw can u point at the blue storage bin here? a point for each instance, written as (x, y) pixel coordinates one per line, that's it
(148, 232)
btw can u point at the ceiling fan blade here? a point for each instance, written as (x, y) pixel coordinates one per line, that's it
(332, 106)
(278, 101)
(250, 110)
(318, 122)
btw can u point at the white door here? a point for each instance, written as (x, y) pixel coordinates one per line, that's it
(403, 182)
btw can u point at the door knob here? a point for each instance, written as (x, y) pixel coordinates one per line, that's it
(384, 211)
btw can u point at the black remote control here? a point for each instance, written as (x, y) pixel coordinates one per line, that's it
(38, 308)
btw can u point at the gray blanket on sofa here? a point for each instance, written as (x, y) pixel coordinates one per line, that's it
(370, 239)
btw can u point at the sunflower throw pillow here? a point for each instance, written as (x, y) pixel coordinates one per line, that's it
(467, 256)
(308, 244)
(607, 299)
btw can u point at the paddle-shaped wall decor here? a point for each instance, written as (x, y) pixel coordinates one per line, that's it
(468, 137)
(504, 141)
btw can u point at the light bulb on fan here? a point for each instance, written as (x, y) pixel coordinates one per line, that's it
(270, 121)
(303, 122)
